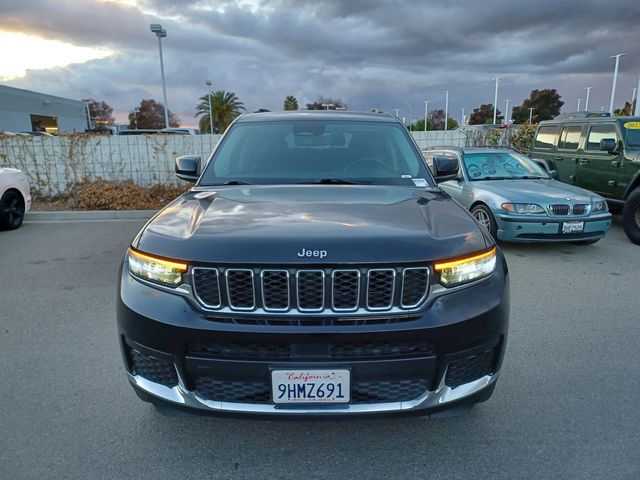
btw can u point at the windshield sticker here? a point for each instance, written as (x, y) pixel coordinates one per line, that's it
(632, 125)
(419, 182)
(406, 176)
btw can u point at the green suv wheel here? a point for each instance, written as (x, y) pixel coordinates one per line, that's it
(631, 216)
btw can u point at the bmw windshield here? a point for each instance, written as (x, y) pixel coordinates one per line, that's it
(317, 151)
(501, 166)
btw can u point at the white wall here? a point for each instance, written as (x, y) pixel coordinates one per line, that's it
(52, 163)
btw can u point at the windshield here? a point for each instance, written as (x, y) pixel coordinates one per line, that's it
(501, 166)
(312, 151)
(633, 136)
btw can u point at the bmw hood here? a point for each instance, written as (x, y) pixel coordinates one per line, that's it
(312, 224)
(545, 191)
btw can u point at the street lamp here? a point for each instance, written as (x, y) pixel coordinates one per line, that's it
(446, 108)
(495, 102)
(210, 110)
(426, 110)
(161, 33)
(578, 107)
(637, 112)
(615, 80)
(586, 100)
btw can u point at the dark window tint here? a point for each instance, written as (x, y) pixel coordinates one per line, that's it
(570, 138)
(599, 132)
(546, 137)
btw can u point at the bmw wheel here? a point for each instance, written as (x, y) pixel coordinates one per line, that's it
(485, 218)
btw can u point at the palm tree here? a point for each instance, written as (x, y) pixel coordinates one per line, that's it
(290, 103)
(225, 106)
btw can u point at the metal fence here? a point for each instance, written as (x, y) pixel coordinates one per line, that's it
(54, 163)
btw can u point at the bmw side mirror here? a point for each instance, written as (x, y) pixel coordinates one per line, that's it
(445, 168)
(553, 174)
(188, 168)
(608, 145)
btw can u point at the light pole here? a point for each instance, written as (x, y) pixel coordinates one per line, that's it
(446, 108)
(410, 115)
(578, 107)
(530, 115)
(615, 80)
(426, 110)
(633, 99)
(586, 100)
(506, 112)
(462, 116)
(208, 83)
(495, 102)
(161, 33)
(637, 112)
(397, 112)
(135, 117)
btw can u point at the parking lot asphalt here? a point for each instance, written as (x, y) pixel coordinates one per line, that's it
(567, 404)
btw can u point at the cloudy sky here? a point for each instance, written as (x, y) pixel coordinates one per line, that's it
(382, 54)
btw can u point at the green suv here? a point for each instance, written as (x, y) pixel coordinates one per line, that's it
(597, 152)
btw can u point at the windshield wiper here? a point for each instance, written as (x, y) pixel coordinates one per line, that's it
(532, 177)
(494, 178)
(333, 181)
(236, 182)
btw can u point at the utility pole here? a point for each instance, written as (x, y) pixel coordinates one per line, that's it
(161, 33)
(615, 80)
(495, 102)
(426, 110)
(210, 110)
(637, 112)
(586, 100)
(446, 108)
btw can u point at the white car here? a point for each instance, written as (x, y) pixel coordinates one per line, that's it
(15, 198)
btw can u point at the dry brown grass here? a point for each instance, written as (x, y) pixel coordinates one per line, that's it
(108, 195)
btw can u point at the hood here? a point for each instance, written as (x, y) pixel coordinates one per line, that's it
(278, 224)
(546, 191)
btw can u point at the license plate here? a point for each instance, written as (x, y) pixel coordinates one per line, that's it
(310, 386)
(572, 227)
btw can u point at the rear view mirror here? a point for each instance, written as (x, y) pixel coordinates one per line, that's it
(445, 168)
(608, 145)
(553, 174)
(188, 168)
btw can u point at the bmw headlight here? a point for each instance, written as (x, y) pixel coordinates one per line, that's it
(600, 206)
(155, 269)
(466, 269)
(523, 208)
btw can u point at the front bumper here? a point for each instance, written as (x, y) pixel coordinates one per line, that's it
(466, 331)
(519, 228)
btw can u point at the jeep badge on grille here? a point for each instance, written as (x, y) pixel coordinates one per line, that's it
(312, 253)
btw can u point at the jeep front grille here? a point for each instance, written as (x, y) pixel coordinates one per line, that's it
(311, 291)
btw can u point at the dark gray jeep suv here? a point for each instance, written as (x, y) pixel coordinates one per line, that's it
(315, 268)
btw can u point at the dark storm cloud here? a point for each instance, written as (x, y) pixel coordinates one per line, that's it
(370, 53)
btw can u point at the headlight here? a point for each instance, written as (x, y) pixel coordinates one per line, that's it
(523, 208)
(453, 272)
(156, 269)
(600, 206)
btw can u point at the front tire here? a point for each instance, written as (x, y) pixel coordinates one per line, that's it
(631, 216)
(484, 216)
(12, 210)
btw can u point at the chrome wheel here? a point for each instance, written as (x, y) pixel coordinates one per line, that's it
(483, 218)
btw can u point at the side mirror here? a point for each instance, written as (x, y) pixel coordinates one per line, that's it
(608, 145)
(553, 174)
(445, 168)
(188, 168)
